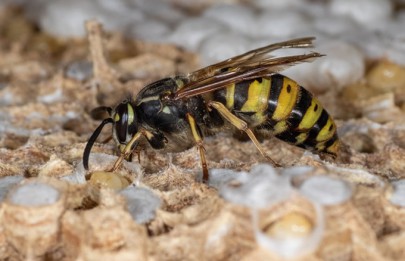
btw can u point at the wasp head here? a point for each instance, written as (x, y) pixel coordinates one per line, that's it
(125, 122)
(125, 126)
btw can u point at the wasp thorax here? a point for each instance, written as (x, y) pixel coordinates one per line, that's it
(125, 122)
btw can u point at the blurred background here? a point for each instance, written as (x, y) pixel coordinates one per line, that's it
(219, 29)
(349, 32)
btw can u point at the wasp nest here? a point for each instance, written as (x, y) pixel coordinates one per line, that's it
(351, 208)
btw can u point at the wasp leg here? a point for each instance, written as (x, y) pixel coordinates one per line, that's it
(138, 151)
(199, 142)
(241, 125)
(127, 151)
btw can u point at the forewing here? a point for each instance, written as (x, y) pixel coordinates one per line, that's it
(255, 68)
(252, 56)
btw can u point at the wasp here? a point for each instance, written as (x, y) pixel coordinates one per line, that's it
(244, 94)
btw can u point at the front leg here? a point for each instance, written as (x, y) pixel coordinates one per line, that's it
(156, 139)
(199, 142)
(128, 148)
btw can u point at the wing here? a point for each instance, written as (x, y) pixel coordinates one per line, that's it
(253, 64)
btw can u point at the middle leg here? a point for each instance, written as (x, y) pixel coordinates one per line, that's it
(199, 142)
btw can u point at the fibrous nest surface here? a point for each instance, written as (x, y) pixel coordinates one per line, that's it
(351, 208)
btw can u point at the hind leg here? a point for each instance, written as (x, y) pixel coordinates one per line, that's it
(240, 125)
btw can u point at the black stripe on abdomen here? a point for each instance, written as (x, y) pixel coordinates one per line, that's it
(275, 89)
(241, 93)
(314, 131)
(295, 118)
(300, 108)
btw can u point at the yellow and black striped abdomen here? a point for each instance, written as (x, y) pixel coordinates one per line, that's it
(295, 116)
(279, 106)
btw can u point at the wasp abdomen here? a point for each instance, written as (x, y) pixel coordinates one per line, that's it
(278, 106)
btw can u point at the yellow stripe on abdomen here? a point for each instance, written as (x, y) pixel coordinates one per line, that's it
(311, 115)
(300, 138)
(327, 131)
(280, 127)
(286, 100)
(258, 95)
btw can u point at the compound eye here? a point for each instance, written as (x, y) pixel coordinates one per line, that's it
(124, 122)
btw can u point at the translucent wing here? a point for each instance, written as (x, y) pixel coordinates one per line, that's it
(253, 64)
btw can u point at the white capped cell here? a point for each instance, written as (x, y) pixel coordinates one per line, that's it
(192, 31)
(75, 13)
(6, 183)
(79, 70)
(394, 33)
(400, 15)
(296, 171)
(220, 177)
(34, 194)
(237, 17)
(343, 64)
(117, 6)
(313, 9)
(335, 25)
(260, 188)
(77, 177)
(396, 55)
(149, 6)
(369, 42)
(55, 96)
(393, 40)
(366, 12)
(277, 4)
(221, 46)
(265, 170)
(141, 203)
(148, 30)
(161, 11)
(32, 213)
(7, 97)
(114, 20)
(279, 23)
(398, 193)
(326, 190)
(66, 18)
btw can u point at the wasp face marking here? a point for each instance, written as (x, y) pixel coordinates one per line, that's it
(166, 110)
(125, 122)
